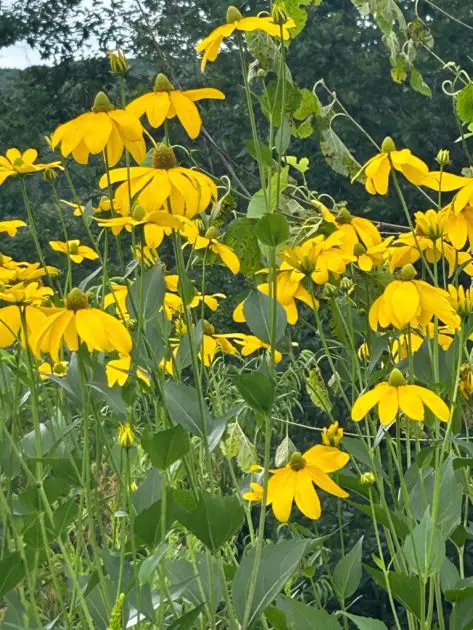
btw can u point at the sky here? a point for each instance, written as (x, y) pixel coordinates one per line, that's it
(19, 56)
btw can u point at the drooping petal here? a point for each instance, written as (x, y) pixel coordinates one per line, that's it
(201, 93)
(388, 405)
(227, 255)
(410, 403)
(323, 481)
(281, 491)
(187, 113)
(436, 405)
(306, 497)
(367, 401)
(327, 458)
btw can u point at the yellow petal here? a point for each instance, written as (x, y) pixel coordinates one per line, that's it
(410, 403)
(328, 485)
(227, 255)
(187, 113)
(281, 490)
(327, 458)
(367, 401)
(306, 497)
(388, 405)
(433, 402)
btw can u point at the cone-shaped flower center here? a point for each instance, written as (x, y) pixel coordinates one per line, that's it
(359, 249)
(76, 300)
(212, 233)
(102, 103)
(388, 145)
(344, 216)
(408, 272)
(164, 158)
(73, 248)
(208, 328)
(162, 83)
(296, 461)
(233, 14)
(396, 378)
(138, 213)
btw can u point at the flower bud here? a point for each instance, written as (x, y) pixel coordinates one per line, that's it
(233, 15)
(329, 291)
(332, 435)
(347, 285)
(118, 62)
(126, 437)
(49, 174)
(102, 103)
(367, 479)
(388, 145)
(279, 13)
(162, 83)
(443, 157)
(408, 272)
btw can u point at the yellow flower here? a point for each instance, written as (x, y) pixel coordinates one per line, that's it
(12, 271)
(296, 480)
(256, 492)
(332, 436)
(102, 129)
(212, 342)
(410, 342)
(74, 250)
(187, 192)
(56, 369)
(466, 380)
(461, 299)
(394, 395)
(117, 298)
(167, 102)
(370, 257)
(126, 437)
(118, 371)
(414, 302)
(11, 227)
(22, 311)
(76, 322)
(173, 304)
(355, 229)
(251, 344)
(210, 46)
(430, 223)
(459, 225)
(378, 168)
(209, 241)
(363, 351)
(157, 224)
(447, 182)
(16, 163)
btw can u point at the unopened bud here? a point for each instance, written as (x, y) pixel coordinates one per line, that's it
(367, 479)
(118, 62)
(443, 157)
(329, 291)
(49, 174)
(279, 13)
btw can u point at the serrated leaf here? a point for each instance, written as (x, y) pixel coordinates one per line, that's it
(284, 452)
(317, 390)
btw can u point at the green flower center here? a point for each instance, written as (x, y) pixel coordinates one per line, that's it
(76, 300)
(162, 83)
(344, 216)
(233, 14)
(73, 248)
(138, 213)
(102, 103)
(164, 158)
(408, 272)
(396, 378)
(208, 328)
(359, 249)
(212, 233)
(388, 145)
(296, 461)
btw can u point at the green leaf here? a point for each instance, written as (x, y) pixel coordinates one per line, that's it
(418, 84)
(347, 572)
(263, 48)
(365, 623)
(183, 356)
(257, 390)
(272, 229)
(295, 9)
(405, 588)
(284, 452)
(337, 155)
(151, 563)
(149, 491)
(259, 206)
(264, 151)
(214, 520)
(424, 548)
(317, 390)
(301, 616)
(147, 525)
(462, 590)
(278, 562)
(207, 589)
(188, 620)
(12, 571)
(257, 310)
(462, 615)
(182, 402)
(166, 447)
(464, 104)
(241, 237)
(151, 287)
(449, 575)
